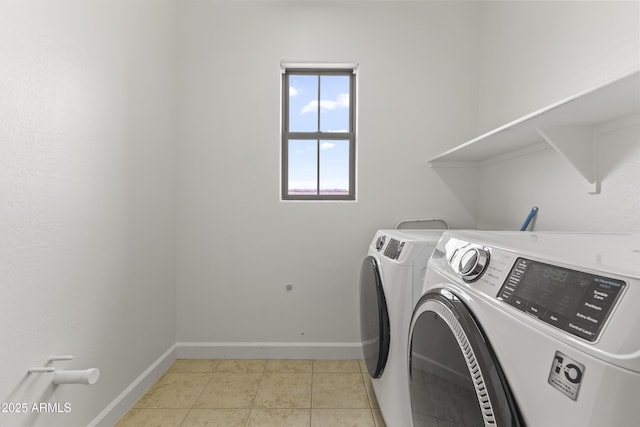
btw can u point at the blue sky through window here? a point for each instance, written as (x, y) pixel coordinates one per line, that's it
(333, 102)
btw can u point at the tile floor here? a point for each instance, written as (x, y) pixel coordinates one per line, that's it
(259, 393)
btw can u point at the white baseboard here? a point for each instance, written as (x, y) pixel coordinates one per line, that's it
(269, 350)
(129, 396)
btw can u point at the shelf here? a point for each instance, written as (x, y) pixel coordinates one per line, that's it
(568, 126)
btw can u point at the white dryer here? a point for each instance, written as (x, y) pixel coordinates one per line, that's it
(395, 264)
(537, 329)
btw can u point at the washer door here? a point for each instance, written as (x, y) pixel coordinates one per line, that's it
(455, 378)
(374, 318)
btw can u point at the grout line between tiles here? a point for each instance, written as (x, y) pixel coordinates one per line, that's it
(255, 396)
(197, 398)
(313, 374)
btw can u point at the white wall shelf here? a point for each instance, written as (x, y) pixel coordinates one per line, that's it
(569, 127)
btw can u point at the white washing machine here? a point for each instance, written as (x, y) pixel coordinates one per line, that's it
(536, 329)
(396, 262)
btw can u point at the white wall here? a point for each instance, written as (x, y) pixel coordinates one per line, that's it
(238, 245)
(86, 198)
(538, 53)
(88, 237)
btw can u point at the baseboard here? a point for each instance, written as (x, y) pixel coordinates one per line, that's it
(269, 350)
(125, 400)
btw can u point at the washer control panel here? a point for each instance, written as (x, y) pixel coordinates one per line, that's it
(574, 301)
(394, 249)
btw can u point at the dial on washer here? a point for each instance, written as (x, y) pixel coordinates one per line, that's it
(473, 263)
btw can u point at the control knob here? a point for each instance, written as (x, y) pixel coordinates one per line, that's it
(473, 263)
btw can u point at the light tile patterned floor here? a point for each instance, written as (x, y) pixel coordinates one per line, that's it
(259, 393)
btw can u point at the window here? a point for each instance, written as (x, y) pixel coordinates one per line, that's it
(318, 133)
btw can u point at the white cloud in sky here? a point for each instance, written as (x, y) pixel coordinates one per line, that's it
(293, 91)
(310, 107)
(342, 101)
(327, 145)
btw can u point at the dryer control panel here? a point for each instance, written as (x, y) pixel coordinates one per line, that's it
(574, 301)
(394, 249)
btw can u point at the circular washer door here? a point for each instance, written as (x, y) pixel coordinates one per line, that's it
(374, 318)
(454, 376)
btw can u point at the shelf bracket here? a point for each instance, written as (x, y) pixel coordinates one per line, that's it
(578, 146)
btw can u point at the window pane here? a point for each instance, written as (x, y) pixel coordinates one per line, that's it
(303, 167)
(303, 103)
(334, 167)
(334, 103)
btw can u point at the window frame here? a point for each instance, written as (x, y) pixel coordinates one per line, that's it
(318, 136)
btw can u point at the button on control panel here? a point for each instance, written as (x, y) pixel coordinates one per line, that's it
(574, 301)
